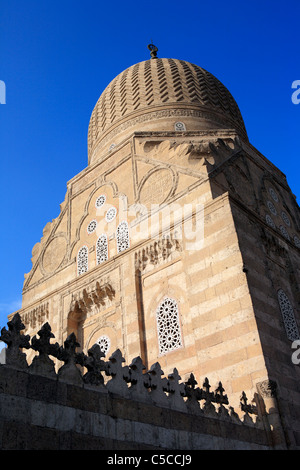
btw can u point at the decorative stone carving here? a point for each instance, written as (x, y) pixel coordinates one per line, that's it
(273, 194)
(118, 374)
(15, 341)
(54, 254)
(91, 226)
(91, 299)
(100, 201)
(150, 386)
(138, 379)
(122, 236)
(156, 187)
(111, 214)
(192, 394)
(278, 212)
(102, 249)
(297, 241)
(157, 384)
(287, 312)
(157, 251)
(267, 388)
(82, 260)
(185, 90)
(205, 151)
(284, 232)
(36, 317)
(168, 326)
(69, 372)
(104, 344)
(176, 391)
(42, 363)
(94, 365)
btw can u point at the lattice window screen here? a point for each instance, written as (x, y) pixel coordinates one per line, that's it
(168, 326)
(102, 249)
(104, 343)
(122, 236)
(287, 312)
(82, 260)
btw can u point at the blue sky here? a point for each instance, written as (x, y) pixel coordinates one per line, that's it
(56, 58)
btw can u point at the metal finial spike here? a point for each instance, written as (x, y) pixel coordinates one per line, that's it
(153, 50)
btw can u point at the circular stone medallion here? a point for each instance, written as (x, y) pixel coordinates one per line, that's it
(156, 187)
(54, 254)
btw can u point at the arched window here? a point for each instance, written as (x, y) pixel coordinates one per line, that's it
(168, 327)
(82, 260)
(102, 249)
(287, 312)
(122, 236)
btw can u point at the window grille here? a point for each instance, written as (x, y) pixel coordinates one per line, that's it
(111, 214)
(91, 226)
(297, 241)
(273, 194)
(168, 327)
(122, 236)
(102, 249)
(271, 207)
(270, 221)
(104, 343)
(100, 201)
(82, 260)
(284, 232)
(287, 312)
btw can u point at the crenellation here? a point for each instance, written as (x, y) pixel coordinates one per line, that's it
(150, 386)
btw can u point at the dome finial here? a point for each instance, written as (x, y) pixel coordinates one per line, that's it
(153, 50)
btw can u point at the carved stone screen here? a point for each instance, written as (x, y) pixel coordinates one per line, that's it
(92, 226)
(156, 187)
(82, 260)
(100, 201)
(102, 249)
(168, 327)
(288, 316)
(122, 237)
(104, 343)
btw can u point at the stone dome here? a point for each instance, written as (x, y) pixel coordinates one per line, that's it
(153, 95)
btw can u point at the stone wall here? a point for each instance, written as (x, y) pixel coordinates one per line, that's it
(85, 402)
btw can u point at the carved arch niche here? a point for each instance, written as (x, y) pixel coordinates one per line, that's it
(86, 304)
(154, 298)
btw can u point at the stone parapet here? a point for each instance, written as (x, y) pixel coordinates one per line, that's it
(90, 403)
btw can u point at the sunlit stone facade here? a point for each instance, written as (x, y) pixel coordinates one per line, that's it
(177, 240)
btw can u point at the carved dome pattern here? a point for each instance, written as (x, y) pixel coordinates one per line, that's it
(157, 83)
